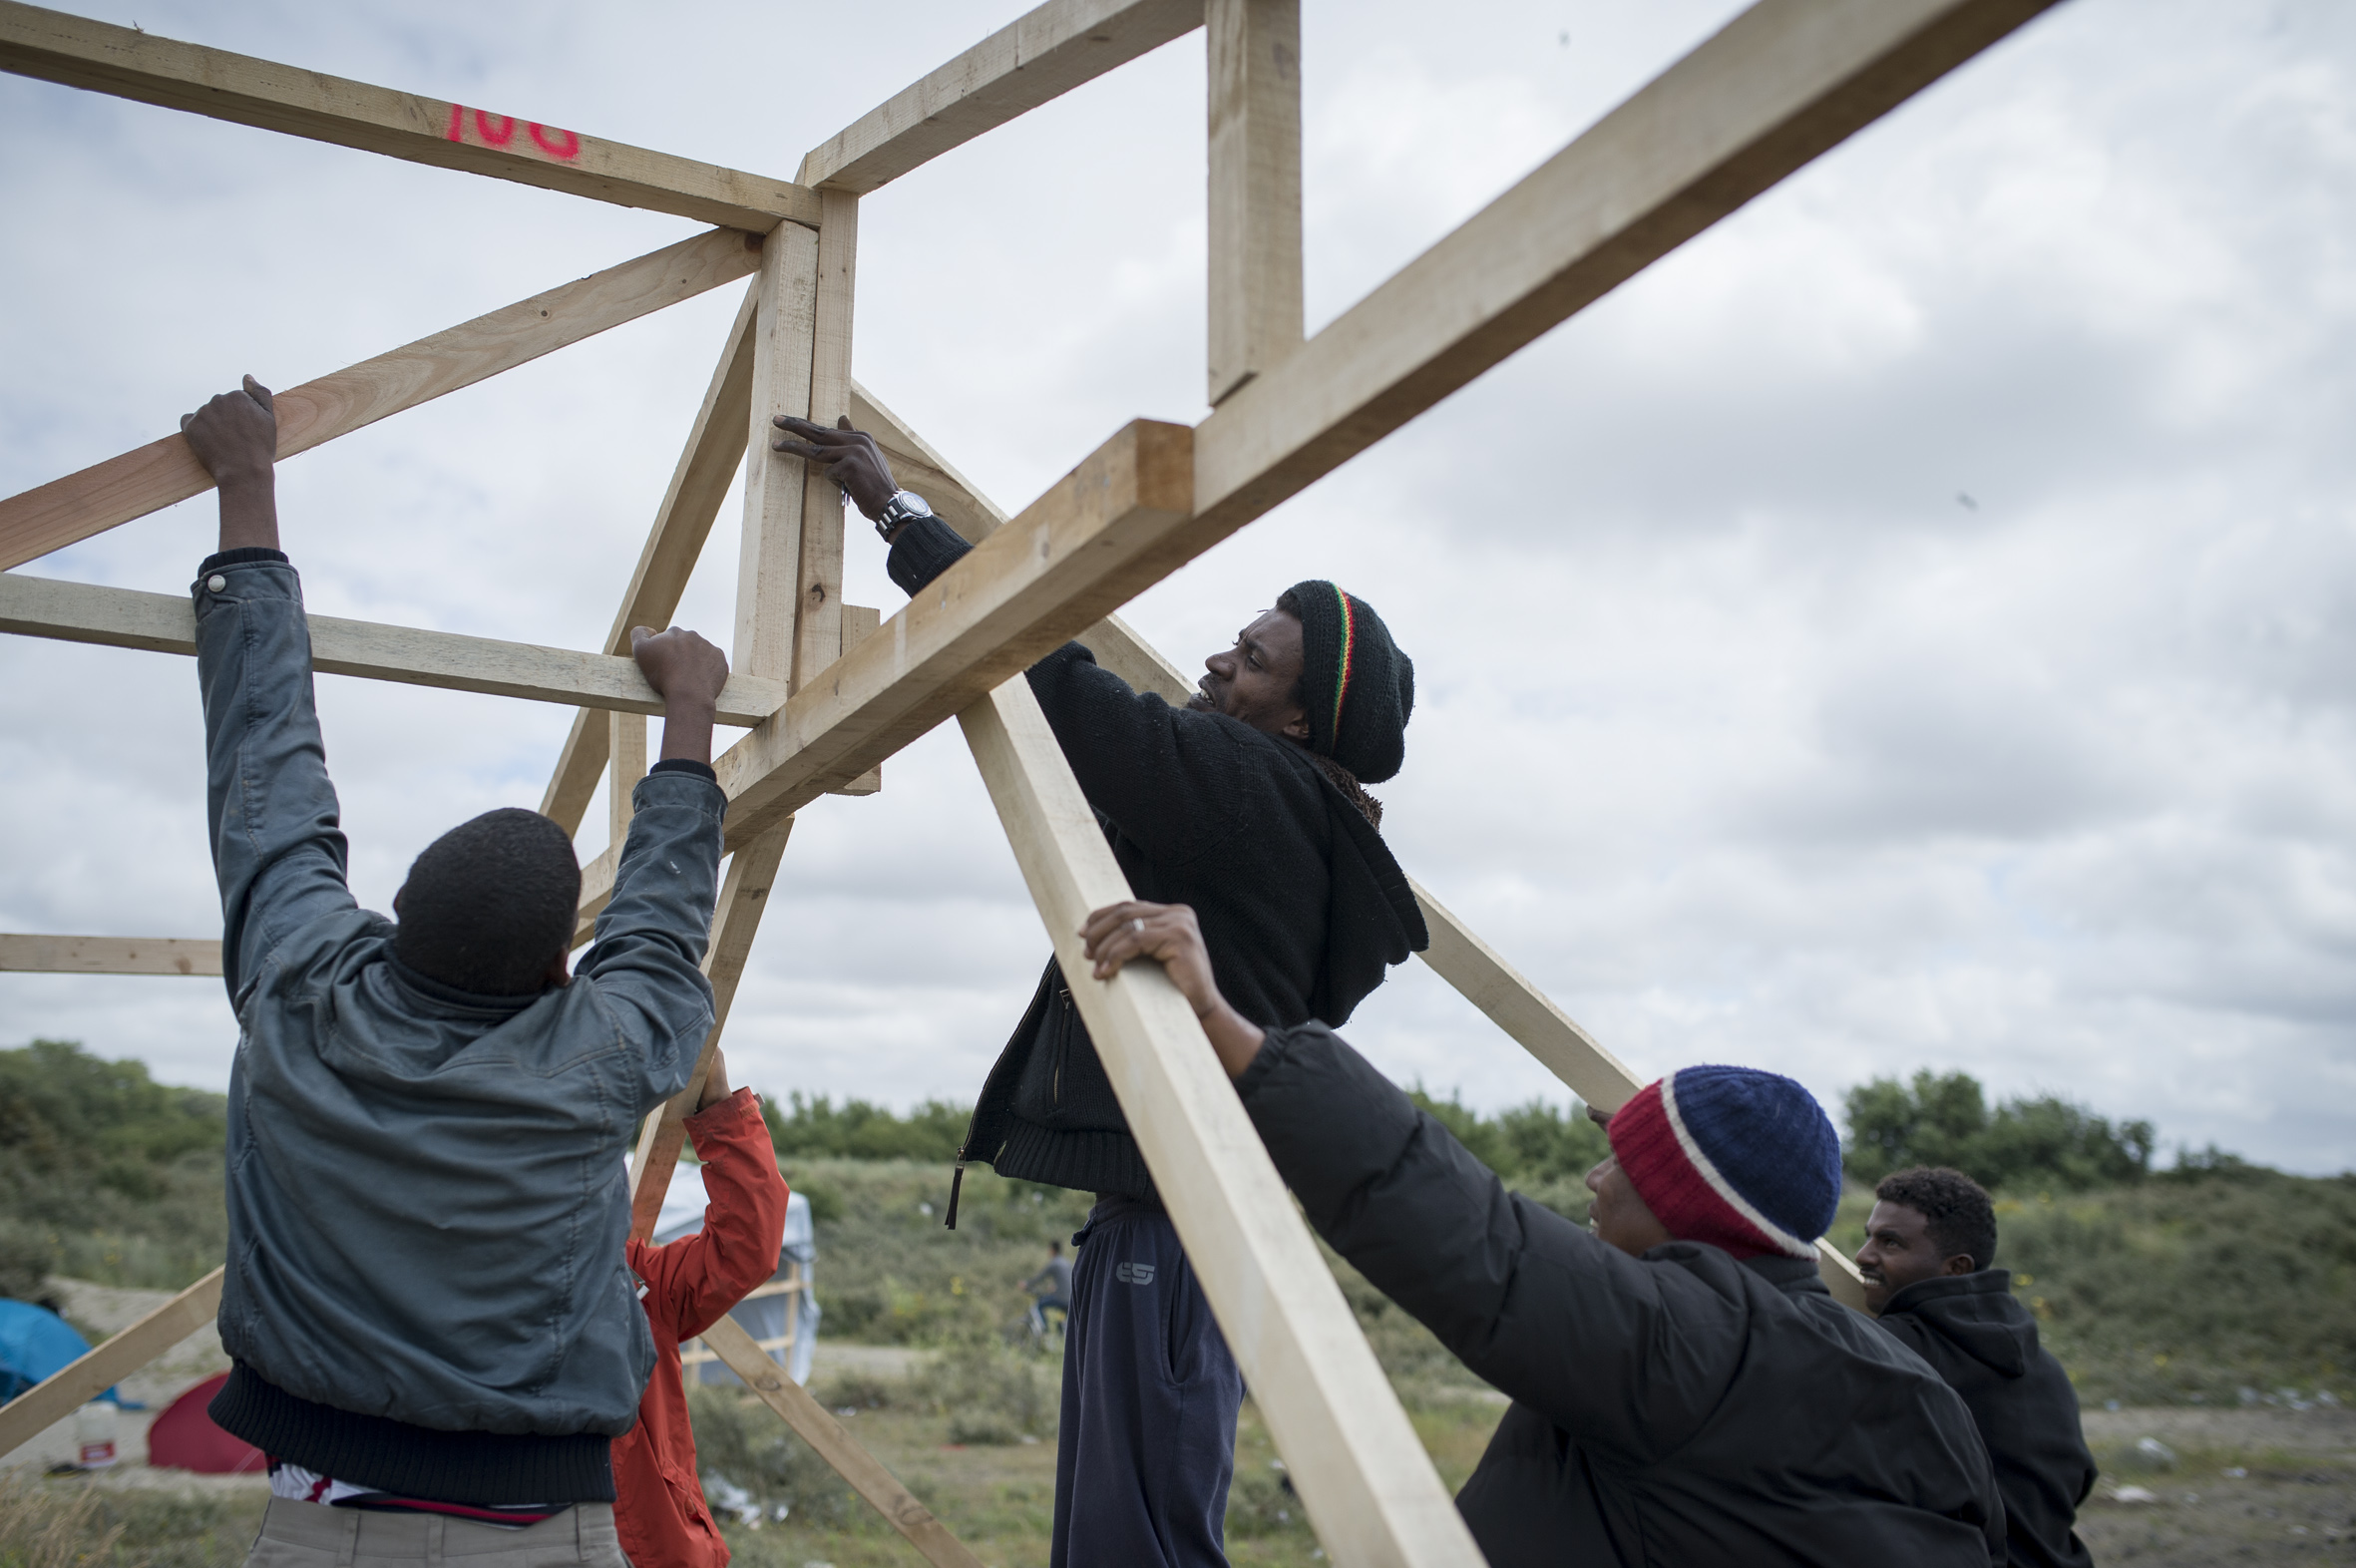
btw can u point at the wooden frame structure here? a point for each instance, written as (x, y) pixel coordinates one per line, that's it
(826, 693)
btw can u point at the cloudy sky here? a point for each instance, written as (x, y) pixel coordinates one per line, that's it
(1909, 626)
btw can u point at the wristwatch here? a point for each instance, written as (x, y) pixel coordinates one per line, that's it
(903, 506)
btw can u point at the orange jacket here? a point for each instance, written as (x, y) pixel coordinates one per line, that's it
(658, 1507)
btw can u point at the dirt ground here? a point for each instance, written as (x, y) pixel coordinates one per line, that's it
(2260, 1485)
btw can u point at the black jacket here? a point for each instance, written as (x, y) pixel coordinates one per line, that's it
(1681, 1409)
(1301, 904)
(1983, 1342)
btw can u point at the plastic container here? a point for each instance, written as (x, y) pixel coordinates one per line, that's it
(93, 1435)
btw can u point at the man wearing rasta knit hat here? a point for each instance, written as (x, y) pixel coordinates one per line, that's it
(1247, 804)
(1685, 1389)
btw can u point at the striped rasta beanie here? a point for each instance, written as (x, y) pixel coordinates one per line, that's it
(1358, 687)
(1742, 1159)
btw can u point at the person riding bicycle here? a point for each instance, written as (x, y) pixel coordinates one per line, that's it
(1056, 1276)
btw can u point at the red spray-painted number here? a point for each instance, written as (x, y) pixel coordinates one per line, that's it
(499, 129)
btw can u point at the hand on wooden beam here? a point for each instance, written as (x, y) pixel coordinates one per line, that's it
(235, 437)
(848, 456)
(1170, 934)
(715, 1082)
(688, 674)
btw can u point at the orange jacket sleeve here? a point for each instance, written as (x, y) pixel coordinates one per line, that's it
(696, 1279)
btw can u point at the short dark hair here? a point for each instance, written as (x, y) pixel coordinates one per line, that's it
(491, 903)
(1958, 1216)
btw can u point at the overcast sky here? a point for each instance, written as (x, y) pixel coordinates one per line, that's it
(1908, 628)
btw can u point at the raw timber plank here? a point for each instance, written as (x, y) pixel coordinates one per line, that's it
(127, 63)
(37, 954)
(1039, 56)
(1349, 1451)
(408, 655)
(110, 494)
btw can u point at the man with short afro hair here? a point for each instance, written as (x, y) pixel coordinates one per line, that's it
(433, 1332)
(1928, 1263)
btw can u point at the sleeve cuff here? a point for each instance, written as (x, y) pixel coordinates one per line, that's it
(242, 556)
(743, 1106)
(701, 770)
(1274, 1045)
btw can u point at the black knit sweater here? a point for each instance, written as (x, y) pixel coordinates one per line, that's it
(1301, 904)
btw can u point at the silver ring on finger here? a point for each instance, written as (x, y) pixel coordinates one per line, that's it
(1138, 923)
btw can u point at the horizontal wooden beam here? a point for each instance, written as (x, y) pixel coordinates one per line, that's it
(1780, 83)
(78, 1382)
(33, 955)
(107, 495)
(1039, 56)
(127, 63)
(1368, 1488)
(408, 655)
(811, 1423)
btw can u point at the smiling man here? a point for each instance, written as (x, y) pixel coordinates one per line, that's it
(1929, 1244)
(1248, 804)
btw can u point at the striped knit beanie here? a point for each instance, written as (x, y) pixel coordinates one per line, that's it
(1357, 686)
(1742, 1159)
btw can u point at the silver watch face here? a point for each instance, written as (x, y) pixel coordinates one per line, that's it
(909, 504)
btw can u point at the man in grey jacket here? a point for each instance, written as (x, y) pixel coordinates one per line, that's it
(433, 1332)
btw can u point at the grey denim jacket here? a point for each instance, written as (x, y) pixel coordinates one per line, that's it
(427, 1199)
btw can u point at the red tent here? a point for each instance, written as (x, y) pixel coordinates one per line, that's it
(185, 1438)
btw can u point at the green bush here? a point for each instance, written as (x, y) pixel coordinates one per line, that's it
(1945, 1120)
(1532, 1143)
(987, 1392)
(106, 1175)
(861, 1131)
(739, 1438)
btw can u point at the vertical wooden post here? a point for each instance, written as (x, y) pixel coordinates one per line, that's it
(1254, 213)
(1363, 1477)
(626, 753)
(818, 638)
(768, 563)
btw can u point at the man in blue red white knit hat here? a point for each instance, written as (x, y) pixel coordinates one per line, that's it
(1685, 1388)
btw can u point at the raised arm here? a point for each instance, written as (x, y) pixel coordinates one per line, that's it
(1601, 1343)
(646, 960)
(700, 1276)
(277, 847)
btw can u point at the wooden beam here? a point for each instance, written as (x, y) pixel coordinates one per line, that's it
(1039, 56)
(1784, 81)
(128, 63)
(626, 751)
(107, 495)
(818, 612)
(752, 872)
(1355, 1461)
(78, 1382)
(769, 551)
(699, 483)
(109, 954)
(1255, 207)
(810, 1422)
(408, 655)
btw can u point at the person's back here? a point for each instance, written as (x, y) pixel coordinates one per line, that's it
(426, 1304)
(1929, 1275)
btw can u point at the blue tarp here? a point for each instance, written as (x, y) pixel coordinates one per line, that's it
(34, 1343)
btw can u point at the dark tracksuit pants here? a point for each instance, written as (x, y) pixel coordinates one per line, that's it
(1150, 1393)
